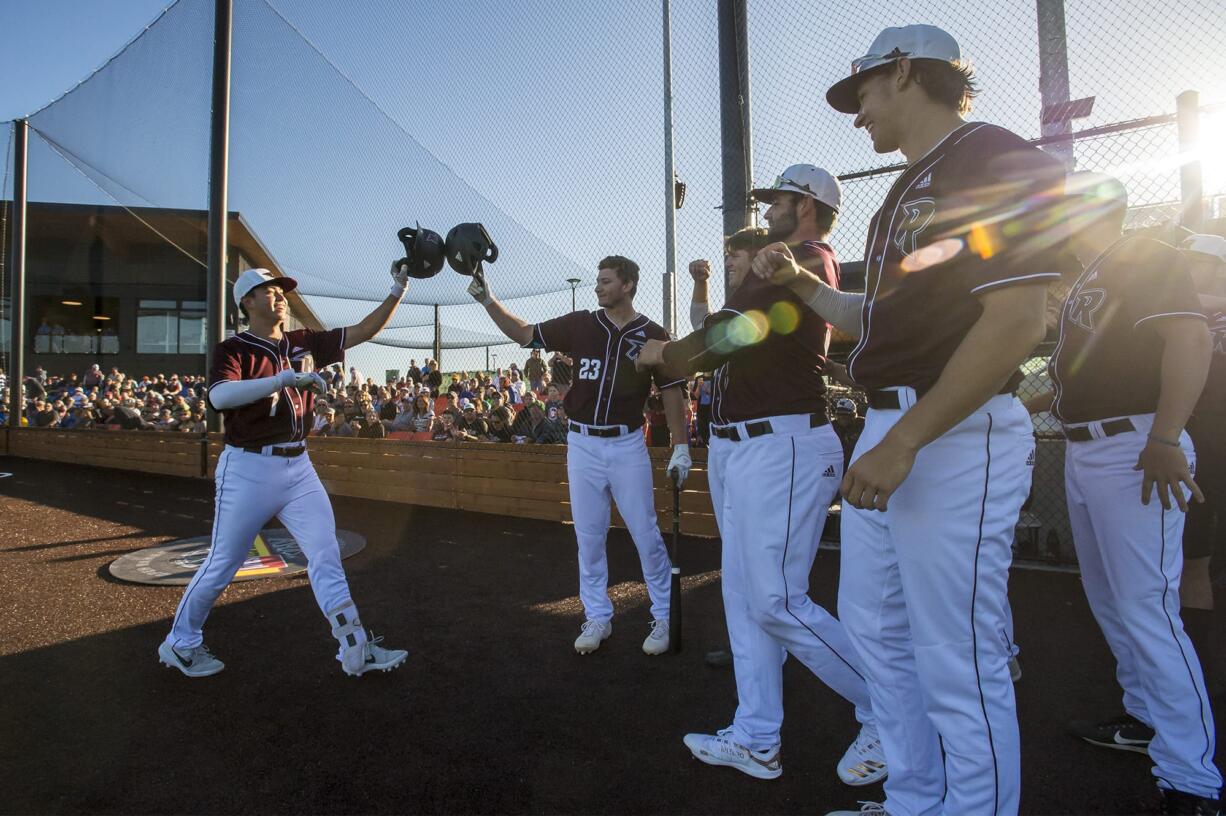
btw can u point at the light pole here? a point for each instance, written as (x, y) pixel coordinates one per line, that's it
(573, 283)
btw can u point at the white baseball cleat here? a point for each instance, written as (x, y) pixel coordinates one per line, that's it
(719, 749)
(866, 809)
(370, 656)
(864, 761)
(657, 640)
(196, 662)
(593, 633)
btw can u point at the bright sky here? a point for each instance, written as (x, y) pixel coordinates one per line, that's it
(544, 120)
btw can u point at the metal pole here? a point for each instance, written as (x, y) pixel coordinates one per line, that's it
(438, 341)
(670, 212)
(487, 359)
(734, 116)
(1053, 74)
(17, 279)
(1191, 181)
(219, 170)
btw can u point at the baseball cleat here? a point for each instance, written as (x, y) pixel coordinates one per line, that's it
(370, 656)
(657, 640)
(719, 749)
(864, 761)
(1178, 803)
(196, 662)
(593, 633)
(866, 809)
(1124, 733)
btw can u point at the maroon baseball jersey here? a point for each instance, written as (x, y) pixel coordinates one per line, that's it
(606, 389)
(285, 416)
(781, 374)
(1108, 360)
(1213, 398)
(967, 218)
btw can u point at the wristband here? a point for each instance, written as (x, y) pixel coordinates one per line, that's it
(1162, 441)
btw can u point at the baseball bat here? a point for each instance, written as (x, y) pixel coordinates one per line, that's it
(674, 603)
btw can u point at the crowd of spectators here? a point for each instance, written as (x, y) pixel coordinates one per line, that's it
(511, 405)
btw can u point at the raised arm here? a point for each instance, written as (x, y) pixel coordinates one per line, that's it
(512, 326)
(700, 271)
(370, 326)
(776, 264)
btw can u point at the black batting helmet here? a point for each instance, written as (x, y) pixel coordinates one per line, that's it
(423, 250)
(469, 246)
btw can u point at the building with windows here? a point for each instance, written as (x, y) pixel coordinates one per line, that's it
(126, 288)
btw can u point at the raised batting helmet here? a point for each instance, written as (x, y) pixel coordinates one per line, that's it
(469, 246)
(423, 251)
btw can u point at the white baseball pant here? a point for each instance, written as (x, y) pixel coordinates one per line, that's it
(771, 494)
(923, 597)
(1131, 558)
(618, 468)
(251, 489)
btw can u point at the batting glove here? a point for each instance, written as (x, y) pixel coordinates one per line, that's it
(303, 381)
(679, 466)
(480, 290)
(400, 277)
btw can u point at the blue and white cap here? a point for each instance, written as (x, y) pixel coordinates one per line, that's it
(912, 42)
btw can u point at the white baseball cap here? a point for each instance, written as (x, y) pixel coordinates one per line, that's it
(912, 42)
(258, 277)
(1211, 245)
(807, 180)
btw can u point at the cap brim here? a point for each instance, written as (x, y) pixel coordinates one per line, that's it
(842, 95)
(767, 194)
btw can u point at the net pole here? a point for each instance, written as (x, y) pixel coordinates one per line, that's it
(734, 116)
(1053, 74)
(219, 170)
(670, 212)
(1191, 179)
(17, 277)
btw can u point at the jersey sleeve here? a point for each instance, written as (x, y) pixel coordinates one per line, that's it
(1005, 212)
(226, 367)
(1160, 286)
(327, 347)
(557, 334)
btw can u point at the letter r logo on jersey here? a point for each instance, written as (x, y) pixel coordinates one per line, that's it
(1083, 305)
(916, 216)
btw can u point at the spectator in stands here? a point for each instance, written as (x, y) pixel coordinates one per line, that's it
(165, 421)
(196, 424)
(535, 370)
(553, 401)
(44, 414)
(702, 389)
(434, 378)
(560, 369)
(372, 427)
(440, 431)
(500, 425)
(93, 377)
(544, 431)
(413, 373)
(423, 413)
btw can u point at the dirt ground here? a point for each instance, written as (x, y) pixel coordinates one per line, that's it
(492, 713)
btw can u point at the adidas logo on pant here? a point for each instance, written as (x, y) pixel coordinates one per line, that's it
(829, 474)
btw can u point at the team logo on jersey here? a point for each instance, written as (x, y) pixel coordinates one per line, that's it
(1083, 306)
(636, 345)
(917, 214)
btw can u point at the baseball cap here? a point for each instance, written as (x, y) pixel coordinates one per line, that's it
(911, 41)
(844, 406)
(466, 403)
(806, 180)
(1212, 245)
(258, 277)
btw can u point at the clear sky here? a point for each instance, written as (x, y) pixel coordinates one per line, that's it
(541, 119)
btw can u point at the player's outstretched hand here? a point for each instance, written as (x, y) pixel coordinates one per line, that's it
(775, 263)
(400, 277)
(679, 465)
(651, 355)
(304, 381)
(873, 478)
(479, 289)
(700, 270)
(1165, 467)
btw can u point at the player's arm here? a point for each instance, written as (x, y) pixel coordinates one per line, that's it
(680, 463)
(1186, 354)
(700, 271)
(373, 323)
(775, 263)
(515, 328)
(1011, 325)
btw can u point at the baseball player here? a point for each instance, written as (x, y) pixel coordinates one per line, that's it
(606, 454)
(263, 381)
(957, 263)
(1128, 368)
(774, 466)
(1206, 257)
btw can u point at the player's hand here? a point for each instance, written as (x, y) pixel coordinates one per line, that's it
(775, 263)
(1166, 468)
(651, 355)
(700, 270)
(679, 465)
(304, 381)
(873, 478)
(480, 290)
(400, 277)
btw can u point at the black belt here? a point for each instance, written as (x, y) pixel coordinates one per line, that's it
(287, 452)
(1112, 428)
(760, 428)
(592, 431)
(888, 400)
